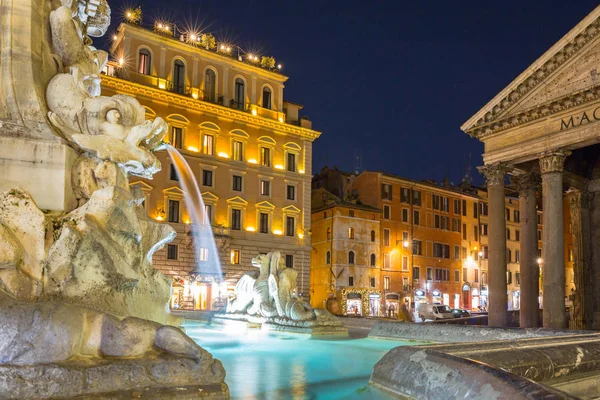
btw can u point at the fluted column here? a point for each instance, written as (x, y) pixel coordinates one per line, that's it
(527, 185)
(580, 221)
(553, 251)
(498, 299)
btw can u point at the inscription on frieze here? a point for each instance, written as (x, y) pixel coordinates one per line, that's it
(582, 118)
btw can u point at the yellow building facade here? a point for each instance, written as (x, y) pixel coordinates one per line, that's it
(247, 147)
(345, 260)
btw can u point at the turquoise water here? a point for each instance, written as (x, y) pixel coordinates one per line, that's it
(284, 366)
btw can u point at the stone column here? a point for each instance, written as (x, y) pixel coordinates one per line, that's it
(498, 300)
(580, 229)
(553, 251)
(529, 269)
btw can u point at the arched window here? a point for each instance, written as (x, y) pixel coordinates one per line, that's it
(328, 258)
(372, 260)
(328, 233)
(372, 236)
(351, 257)
(210, 86)
(144, 62)
(350, 233)
(179, 77)
(239, 94)
(266, 98)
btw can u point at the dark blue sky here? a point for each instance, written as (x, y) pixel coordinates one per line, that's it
(389, 80)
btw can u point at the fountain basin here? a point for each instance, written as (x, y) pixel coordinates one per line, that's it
(318, 327)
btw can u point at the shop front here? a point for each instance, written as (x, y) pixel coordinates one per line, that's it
(483, 298)
(418, 299)
(392, 305)
(466, 296)
(475, 299)
(514, 302)
(436, 297)
(193, 293)
(361, 302)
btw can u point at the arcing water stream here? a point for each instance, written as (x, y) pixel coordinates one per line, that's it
(205, 249)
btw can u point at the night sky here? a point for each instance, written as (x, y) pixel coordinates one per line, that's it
(389, 81)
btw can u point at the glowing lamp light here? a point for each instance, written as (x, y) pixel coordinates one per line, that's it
(223, 155)
(280, 119)
(279, 166)
(252, 161)
(254, 112)
(160, 26)
(251, 229)
(159, 218)
(166, 28)
(128, 15)
(405, 244)
(539, 261)
(187, 221)
(195, 95)
(301, 171)
(162, 84)
(301, 235)
(480, 254)
(277, 232)
(193, 37)
(121, 61)
(114, 37)
(279, 66)
(192, 148)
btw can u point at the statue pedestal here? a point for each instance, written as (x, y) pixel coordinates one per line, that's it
(329, 327)
(43, 169)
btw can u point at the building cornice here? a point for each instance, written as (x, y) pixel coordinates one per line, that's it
(563, 51)
(134, 89)
(150, 36)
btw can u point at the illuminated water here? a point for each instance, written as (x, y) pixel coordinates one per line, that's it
(280, 366)
(205, 249)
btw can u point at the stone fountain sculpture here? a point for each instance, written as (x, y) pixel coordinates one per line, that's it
(266, 296)
(82, 311)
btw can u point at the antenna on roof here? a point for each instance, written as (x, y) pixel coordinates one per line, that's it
(357, 162)
(467, 179)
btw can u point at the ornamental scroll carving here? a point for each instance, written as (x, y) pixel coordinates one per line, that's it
(494, 173)
(553, 161)
(525, 183)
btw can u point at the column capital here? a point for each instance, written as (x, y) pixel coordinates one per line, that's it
(494, 173)
(553, 161)
(526, 182)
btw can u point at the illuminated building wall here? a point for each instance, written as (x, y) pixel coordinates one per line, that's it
(249, 149)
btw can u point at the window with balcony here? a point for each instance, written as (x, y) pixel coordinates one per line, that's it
(266, 98)
(210, 86)
(239, 94)
(144, 66)
(179, 77)
(264, 222)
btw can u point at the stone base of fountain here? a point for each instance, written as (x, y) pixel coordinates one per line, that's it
(160, 377)
(320, 327)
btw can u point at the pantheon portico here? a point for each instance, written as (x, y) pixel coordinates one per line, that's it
(543, 131)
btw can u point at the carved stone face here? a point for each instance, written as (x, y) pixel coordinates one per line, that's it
(260, 260)
(112, 128)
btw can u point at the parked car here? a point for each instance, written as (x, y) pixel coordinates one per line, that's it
(434, 312)
(460, 313)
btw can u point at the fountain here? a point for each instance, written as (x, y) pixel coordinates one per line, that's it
(265, 297)
(82, 311)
